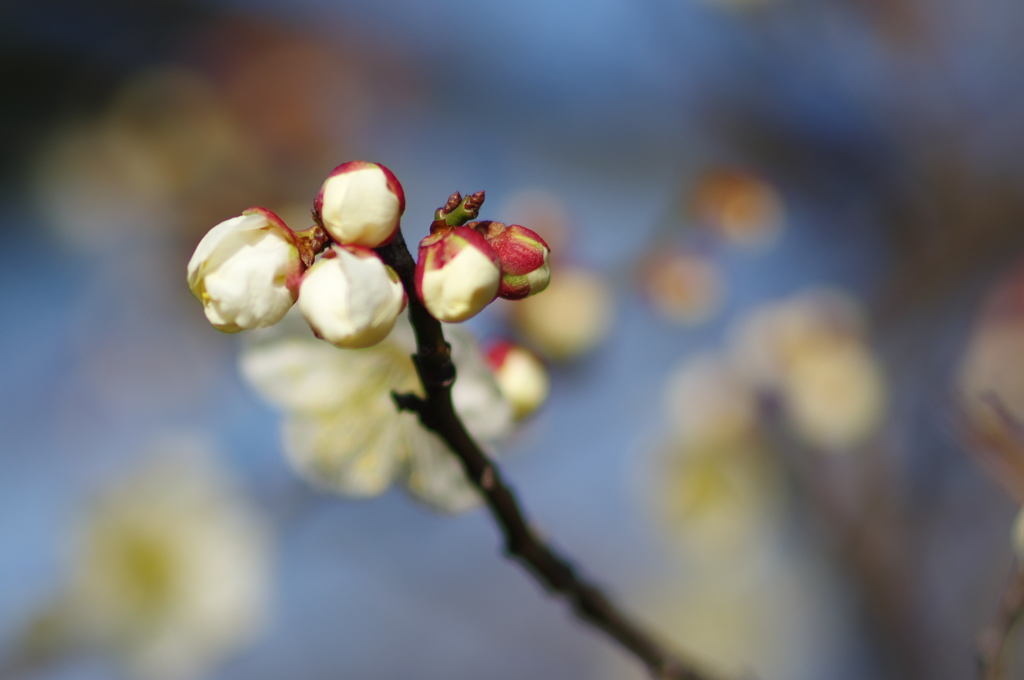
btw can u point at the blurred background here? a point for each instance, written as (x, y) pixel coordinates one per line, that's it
(785, 332)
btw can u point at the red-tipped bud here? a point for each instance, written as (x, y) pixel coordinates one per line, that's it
(457, 274)
(360, 204)
(523, 255)
(521, 377)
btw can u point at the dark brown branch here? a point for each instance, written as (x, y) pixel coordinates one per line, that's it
(992, 640)
(554, 572)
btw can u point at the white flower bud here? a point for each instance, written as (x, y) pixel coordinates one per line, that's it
(350, 297)
(246, 271)
(361, 204)
(457, 274)
(521, 377)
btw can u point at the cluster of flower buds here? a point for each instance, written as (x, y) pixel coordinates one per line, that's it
(249, 270)
(463, 266)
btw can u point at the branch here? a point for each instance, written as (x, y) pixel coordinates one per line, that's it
(992, 640)
(554, 572)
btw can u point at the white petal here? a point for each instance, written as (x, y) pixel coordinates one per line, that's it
(213, 239)
(309, 376)
(486, 413)
(354, 451)
(435, 475)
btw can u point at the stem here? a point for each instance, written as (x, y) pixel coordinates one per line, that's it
(555, 573)
(992, 641)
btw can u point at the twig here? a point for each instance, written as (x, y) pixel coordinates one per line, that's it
(992, 640)
(437, 374)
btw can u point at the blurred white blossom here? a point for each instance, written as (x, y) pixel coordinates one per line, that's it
(169, 568)
(706, 399)
(714, 484)
(765, 613)
(810, 351)
(521, 377)
(139, 168)
(720, 496)
(571, 317)
(835, 395)
(342, 430)
(719, 499)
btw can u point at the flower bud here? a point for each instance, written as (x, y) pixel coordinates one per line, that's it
(350, 297)
(523, 255)
(457, 274)
(245, 271)
(521, 377)
(360, 204)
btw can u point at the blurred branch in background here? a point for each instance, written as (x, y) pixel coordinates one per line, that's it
(1000, 447)
(993, 640)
